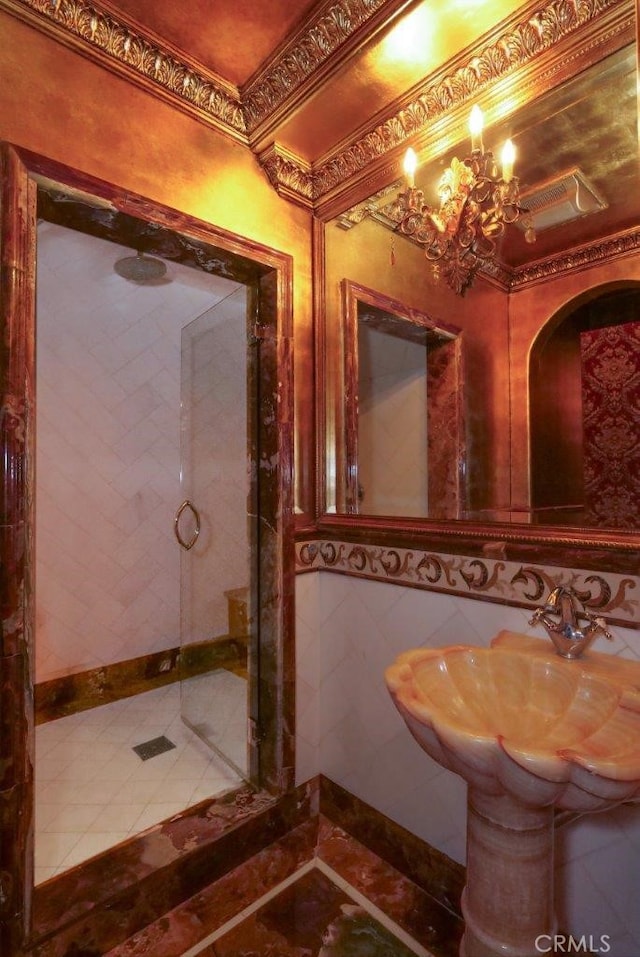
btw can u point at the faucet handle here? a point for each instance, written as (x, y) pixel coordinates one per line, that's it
(537, 615)
(601, 625)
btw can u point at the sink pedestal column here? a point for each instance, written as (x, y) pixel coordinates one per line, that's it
(508, 899)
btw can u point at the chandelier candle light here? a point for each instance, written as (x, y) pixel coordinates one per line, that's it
(476, 203)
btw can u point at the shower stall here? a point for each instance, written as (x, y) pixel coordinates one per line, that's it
(146, 538)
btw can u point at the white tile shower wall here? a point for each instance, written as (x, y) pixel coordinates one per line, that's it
(108, 460)
(363, 745)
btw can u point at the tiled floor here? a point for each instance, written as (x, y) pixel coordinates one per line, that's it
(315, 912)
(93, 791)
(316, 891)
(225, 725)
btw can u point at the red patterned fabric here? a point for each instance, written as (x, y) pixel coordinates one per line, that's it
(611, 422)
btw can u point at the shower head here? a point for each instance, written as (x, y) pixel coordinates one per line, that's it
(140, 268)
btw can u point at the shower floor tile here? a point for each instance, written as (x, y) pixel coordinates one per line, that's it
(93, 791)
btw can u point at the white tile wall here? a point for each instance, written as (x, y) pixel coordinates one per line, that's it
(348, 631)
(108, 452)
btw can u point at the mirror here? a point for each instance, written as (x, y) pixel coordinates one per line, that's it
(523, 427)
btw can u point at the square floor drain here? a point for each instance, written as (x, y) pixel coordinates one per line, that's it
(150, 749)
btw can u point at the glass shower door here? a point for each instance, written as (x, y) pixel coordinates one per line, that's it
(214, 527)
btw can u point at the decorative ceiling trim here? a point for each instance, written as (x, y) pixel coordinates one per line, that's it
(289, 175)
(515, 48)
(129, 48)
(582, 257)
(330, 34)
(125, 48)
(380, 207)
(368, 207)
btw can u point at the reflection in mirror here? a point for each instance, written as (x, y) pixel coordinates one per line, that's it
(521, 446)
(585, 414)
(467, 438)
(404, 435)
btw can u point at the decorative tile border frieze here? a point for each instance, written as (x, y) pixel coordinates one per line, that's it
(524, 585)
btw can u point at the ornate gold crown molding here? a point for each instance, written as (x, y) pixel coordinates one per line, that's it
(625, 243)
(289, 175)
(582, 257)
(122, 47)
(332, 32)
(129, 49)
(368, 207)
(515, 48)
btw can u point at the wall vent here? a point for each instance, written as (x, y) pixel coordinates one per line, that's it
(560, 200)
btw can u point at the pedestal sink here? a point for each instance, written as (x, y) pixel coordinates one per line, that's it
(528, 732)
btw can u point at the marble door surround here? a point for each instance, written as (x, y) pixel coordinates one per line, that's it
(32, 187)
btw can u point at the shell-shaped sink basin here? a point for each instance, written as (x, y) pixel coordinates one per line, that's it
(538, 728)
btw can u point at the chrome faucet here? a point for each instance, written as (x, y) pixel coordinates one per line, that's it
(562, 616)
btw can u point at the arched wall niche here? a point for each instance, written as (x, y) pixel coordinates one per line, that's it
(584, 377)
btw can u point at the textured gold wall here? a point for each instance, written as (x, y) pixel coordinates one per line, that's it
(65, 107)
(362, 255)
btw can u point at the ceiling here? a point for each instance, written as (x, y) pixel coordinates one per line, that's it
(329, 93)
(232, 38)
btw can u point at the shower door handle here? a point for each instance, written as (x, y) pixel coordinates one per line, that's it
(187, 545)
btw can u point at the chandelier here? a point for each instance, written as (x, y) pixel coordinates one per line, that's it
(477, 201)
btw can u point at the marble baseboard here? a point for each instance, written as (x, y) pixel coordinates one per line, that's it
(89, 689)
(204, 913)
(277, 927)
(410, 906)
(425, 866)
